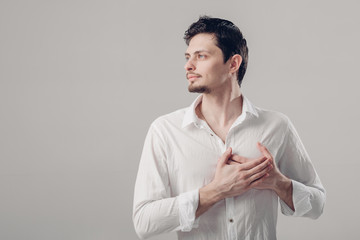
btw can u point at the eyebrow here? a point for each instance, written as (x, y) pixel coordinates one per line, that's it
(197, 52)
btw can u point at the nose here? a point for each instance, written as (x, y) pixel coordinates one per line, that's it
(189, 65)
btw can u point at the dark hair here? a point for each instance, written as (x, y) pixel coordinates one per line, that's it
(228, 38)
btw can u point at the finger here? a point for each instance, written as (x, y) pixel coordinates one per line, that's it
(260, 173)
(225, 157)
(258, 181)
(264, 150)
(262, 168)
(251, 164)
(238, 158)
(232, 162)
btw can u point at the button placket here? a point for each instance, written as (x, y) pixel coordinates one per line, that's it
(230, 209)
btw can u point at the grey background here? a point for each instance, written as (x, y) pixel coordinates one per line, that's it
(81, 81)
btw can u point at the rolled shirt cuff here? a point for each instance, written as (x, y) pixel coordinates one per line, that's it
(301, 200)
(188, 204)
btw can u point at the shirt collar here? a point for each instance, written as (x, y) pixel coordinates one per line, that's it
(191, 117)
(249, 107)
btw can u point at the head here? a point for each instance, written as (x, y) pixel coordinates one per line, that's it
(227, 37)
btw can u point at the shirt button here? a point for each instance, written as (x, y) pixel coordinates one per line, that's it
(211, 134)
(231, 220)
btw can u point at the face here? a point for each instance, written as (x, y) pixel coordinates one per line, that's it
(205, 67)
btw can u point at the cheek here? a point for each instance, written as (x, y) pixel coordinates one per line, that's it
(220, 68)
(219, 73)
(213, 72)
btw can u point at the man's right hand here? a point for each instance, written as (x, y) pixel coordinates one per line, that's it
(232, 179)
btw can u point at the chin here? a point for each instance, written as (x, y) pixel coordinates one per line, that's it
(198, 89)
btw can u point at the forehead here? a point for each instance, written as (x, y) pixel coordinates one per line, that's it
(202, 41)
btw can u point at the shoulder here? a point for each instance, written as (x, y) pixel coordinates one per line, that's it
(170, 120)
(273, 118)
(272, 115)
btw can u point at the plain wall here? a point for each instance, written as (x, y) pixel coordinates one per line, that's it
(81, 81)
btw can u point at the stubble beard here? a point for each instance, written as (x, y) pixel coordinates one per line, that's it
(198, 89)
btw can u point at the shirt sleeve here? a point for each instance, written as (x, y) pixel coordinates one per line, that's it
(308, 193)
(155, 211)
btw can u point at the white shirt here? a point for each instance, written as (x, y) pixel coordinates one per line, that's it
(179, 157)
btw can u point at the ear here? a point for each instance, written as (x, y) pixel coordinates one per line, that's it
(235, 62)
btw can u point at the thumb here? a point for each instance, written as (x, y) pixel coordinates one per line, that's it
(260, 147)
(225, 157)
(263, 150)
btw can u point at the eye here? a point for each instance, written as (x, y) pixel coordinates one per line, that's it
(201, 56)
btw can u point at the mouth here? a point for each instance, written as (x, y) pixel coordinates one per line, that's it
(192, 77)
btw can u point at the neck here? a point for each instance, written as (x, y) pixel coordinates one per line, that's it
(222, 107)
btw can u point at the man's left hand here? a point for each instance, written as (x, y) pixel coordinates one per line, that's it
(275, 180)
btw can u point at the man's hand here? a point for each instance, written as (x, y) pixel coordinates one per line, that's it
(275, 180)
(275, 176)
(232, 179)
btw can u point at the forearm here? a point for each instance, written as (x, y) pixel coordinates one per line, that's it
(155, 217)
(308, 201)
(208, 196)
(152, 217)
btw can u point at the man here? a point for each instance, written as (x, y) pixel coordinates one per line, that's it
(217, 169)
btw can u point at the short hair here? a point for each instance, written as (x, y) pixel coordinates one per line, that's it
(228, 38)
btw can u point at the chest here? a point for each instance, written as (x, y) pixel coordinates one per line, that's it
(193, 155)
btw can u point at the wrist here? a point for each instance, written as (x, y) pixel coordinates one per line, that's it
(210, 193)
(283, 186)
(284, 190)
(208, 196)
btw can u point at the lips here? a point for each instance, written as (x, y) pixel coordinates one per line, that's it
(190, 76)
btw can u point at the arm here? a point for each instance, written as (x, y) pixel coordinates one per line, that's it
(155, 211)
(295, 180)
(308, 193)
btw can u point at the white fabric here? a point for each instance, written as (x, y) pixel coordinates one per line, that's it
(179, 157)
